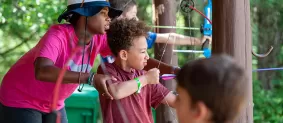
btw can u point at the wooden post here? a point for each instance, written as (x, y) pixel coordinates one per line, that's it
(232, 35)
(165, 14)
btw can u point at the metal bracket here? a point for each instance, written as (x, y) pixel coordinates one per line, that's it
(263, 55)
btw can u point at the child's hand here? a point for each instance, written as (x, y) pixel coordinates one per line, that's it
(101, 85)
(152, 76)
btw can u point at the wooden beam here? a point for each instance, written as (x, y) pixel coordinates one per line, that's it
(165, 14)
(232, 35)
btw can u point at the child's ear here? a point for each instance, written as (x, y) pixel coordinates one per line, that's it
(201, 112)
(123, 54)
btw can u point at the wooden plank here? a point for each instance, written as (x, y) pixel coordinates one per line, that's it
(232, 35)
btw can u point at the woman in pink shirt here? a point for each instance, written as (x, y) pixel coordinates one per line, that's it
(28, 87)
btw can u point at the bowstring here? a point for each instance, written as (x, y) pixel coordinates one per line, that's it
(190, 34)
(163, 52)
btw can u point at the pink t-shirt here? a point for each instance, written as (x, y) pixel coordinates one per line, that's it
(137, 107)
(20, 88)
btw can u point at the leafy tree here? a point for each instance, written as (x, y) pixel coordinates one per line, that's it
(22, 23)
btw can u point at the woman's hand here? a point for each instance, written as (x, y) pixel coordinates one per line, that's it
(100, 83)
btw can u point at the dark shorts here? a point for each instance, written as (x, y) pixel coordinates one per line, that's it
(25, 115)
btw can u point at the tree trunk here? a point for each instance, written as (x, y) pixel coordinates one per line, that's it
(232, 35)
(269, 34)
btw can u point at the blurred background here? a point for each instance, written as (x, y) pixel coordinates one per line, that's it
(24, 22)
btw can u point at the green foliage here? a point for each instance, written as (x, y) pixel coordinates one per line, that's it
(22, 23)
(267, 104)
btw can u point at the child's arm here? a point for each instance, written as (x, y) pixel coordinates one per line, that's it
(119, 90)
(161, 95)
(127, 88)
(179, 39)
(170, 99)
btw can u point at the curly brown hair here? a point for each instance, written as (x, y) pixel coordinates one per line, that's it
(123, 31)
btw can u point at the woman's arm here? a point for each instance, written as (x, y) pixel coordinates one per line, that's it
(45, 70)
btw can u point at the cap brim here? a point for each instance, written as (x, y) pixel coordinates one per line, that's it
(90, 11)
(113, 13)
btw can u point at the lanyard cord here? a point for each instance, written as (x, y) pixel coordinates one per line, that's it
(80, 88)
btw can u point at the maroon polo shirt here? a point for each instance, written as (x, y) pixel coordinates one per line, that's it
(137, 107)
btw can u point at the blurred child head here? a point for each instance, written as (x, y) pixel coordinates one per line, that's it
(211, 90)
(129, 8)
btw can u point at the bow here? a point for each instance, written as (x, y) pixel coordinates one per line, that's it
(206, 28)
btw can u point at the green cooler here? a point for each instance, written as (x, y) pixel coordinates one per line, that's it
(84, 107)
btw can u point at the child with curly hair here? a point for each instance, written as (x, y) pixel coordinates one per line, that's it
(136, 90)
